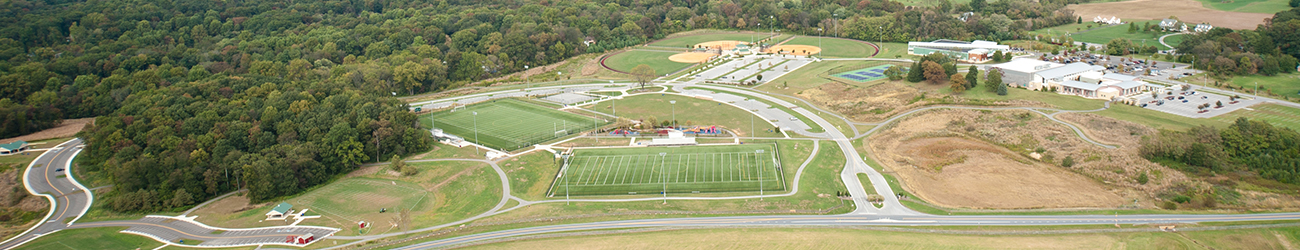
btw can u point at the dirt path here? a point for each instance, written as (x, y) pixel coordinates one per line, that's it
(1188, 11)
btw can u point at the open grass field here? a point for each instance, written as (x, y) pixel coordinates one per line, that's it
(694, 169)
(359, 199)
(689, 112)
(509, 124)
(1283, 84)
(1251, 6)
(1105, 34)
(892, 50)
(1068, 28)
(839, 238)
(690, 40)
(1277, 115)
(836, 47)
(656, 59)
(91, 238)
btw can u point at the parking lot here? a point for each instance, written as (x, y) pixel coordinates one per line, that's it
(1185, 103)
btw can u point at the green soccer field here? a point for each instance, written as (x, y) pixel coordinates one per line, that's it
(652, 170)
(509, 124)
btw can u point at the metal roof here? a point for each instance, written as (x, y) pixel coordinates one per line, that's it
(282, 208)
(13, 145)
(1068, 69)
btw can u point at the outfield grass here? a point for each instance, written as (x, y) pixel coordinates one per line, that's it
(836, 47)
(1105, 34)
(689, 112)
(1277, 115)
(657, 60)
(509, 124)
(690, 40)
(692, 169)
(91, 238)
(1248, 6)
(892, 50)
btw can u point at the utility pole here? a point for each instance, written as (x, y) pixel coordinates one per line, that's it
(760, 175)
(661, 176)
(674, 104)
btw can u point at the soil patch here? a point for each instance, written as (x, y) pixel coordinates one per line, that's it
(68, 128)
(229, 205)
(1189, 11)
(800, 50)
(691, 57)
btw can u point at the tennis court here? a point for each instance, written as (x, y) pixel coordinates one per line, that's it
(654, 170)
(865, 74)
(510, 124)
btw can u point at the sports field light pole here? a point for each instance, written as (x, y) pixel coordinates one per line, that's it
(674, 104)
(751, 123)
(760, 176)
(476, 131)
(661, 176)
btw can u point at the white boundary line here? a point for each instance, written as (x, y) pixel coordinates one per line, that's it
(53, 204)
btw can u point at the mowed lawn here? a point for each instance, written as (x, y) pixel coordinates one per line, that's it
(442, 192)
(1248, 6)
(837, 47)
(657, 60)
(688, 169)
(510, 124)
(91, 238)
(1105, 34)
(892, 50)
(690, 40)
(1282, 84)
(1277, 115)
(689, 112)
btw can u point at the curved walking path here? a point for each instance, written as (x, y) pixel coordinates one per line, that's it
(1162, 39)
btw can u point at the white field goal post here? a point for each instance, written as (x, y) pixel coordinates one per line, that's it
(455, 108)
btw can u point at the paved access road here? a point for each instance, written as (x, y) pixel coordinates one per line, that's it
(44, 177)
(171, 229)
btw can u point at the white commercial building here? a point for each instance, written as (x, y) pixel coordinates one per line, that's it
(1078, 79)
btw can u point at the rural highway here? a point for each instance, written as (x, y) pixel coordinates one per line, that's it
(44, 177)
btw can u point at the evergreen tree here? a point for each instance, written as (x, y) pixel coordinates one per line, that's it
(997, 56)
(972, 75)
(1132, 28)
(950, 68)
(1002, 89)
(915, 74)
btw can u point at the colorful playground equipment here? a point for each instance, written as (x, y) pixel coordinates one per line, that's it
(710, 130)
(623, 132)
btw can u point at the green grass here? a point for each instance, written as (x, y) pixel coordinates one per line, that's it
(531, 174)
(1068, 28)
(1156, 119)
(866, 183)
(691, 169)
(1248, 6)
(806, 121)
(342, 198)
(1277, 115)
(816, 74)
(689, 112)
(1059, 101)
(658, 60)
(1282, 85)
(832, 47)
(1174, 40)
(1105, 34)
(683, 41)
(509, 124)
(893, 50)
(92, 238)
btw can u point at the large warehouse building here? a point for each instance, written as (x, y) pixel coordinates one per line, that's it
(978, 51)
(1078, 79)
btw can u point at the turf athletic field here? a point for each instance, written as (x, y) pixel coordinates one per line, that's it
(657, 60)
(688, 169)
(836, 47)
(510, 124)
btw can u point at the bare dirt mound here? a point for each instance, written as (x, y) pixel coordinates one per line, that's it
(980, 175)
(799, 50)
(691, 57)
(1188, 11)
(966, 158)
(66, 129)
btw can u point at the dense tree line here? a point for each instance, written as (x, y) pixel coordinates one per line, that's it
(1270, 49)
(177, 145)
(1272, 152)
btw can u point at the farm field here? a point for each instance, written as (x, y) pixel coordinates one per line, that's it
(656, 59)
(836, 47)
(1189, 11)
(1277, 115)
(509, 124)
(689, 40)
(1251, 6)
(691, 169)
(689, 111)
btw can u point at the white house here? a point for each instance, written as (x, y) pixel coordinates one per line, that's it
(1204, 27)
(1168, 24)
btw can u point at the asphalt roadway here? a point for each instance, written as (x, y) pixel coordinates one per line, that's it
(69, 200)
